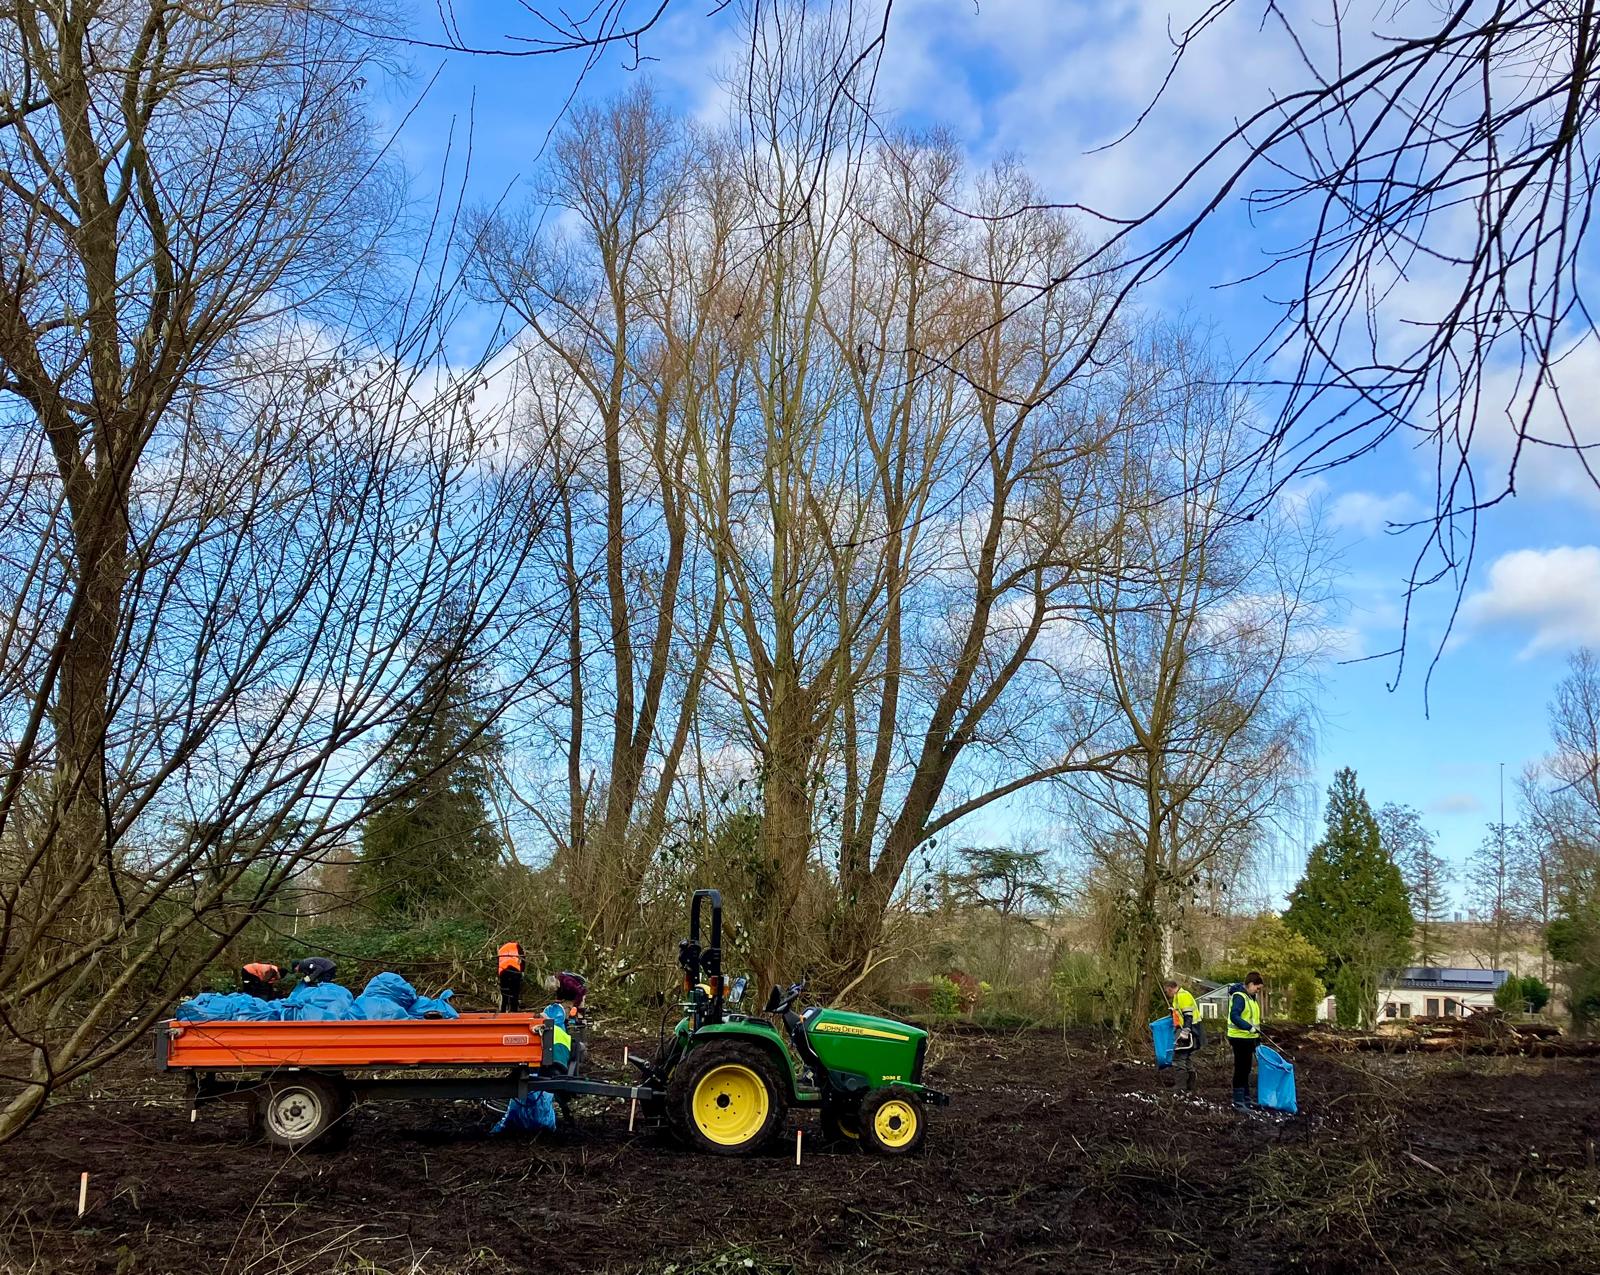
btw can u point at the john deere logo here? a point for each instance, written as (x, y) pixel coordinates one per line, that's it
(850, 1029)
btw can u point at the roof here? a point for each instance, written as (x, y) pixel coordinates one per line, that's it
(1436, 978)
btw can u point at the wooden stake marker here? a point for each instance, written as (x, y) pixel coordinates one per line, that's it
(798, 1134)
(633, 1108)
(83, 1194)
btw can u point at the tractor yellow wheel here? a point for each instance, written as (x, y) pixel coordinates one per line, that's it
(730, 1104)
(893, 1121)
(726, 1097)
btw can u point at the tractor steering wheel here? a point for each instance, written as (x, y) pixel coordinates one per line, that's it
(780, 1000)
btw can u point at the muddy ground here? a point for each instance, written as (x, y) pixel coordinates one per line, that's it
(1056, 1155)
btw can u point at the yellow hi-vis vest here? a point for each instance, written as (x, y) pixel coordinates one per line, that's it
(1184, 1009)
(1250, 1011)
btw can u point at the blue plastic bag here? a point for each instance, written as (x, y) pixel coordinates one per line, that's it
(533, 1114)
(236, 1007)
(1274, 1080)
(386, 996)
(322, 1003)
(1163, 1032)
(438, 1005)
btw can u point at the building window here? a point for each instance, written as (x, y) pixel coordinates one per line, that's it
(1405, 1009)
(1433, 1007)
(1390, 1010)
(1451, 1008)
(1208, 1009)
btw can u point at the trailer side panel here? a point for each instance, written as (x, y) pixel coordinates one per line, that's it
(470, 1040)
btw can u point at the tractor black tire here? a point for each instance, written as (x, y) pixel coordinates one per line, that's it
(893, 1121)
(300, 1112)
(841, 1122)
(753, 1096)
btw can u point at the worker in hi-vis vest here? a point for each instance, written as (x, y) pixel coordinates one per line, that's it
(509, 970)
(1185, 1033)
(1244, 1032)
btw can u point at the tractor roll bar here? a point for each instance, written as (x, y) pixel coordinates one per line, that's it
(704, 961)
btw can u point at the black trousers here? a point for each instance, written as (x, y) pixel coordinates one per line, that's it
(510, 991)
(1244, 1055)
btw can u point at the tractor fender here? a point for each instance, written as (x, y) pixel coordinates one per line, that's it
(759, 1034)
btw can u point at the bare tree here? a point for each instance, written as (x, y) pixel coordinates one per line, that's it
(237, 489)
(1450, 144)
(627, 314)
(1205, 628)
(1492, 890)
(1427, 874)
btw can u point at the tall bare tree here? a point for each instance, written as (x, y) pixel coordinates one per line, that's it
(1205, 627)
(232, 499)
(626, 297)
(1427, 874)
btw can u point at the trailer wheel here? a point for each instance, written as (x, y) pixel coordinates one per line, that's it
(303, 1111)
(893, 1121)
(726, 1098)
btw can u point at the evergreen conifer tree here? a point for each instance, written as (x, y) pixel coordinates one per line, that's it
(433, 846)
(1352, 902)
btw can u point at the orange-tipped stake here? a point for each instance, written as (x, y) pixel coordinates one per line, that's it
(633, 1107)
(798, 1134)
(83, 1194)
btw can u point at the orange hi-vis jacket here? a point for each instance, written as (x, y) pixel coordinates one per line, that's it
(510, 958)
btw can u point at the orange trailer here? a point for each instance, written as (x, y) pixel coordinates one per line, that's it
(302, 1078)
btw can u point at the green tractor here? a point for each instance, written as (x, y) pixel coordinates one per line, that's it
(729, 1078)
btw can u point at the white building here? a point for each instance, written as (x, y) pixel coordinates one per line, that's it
(1431, 991)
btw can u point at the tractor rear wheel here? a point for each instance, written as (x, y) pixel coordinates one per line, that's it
(299, 1112)
(893, 1121)
(726, 1098)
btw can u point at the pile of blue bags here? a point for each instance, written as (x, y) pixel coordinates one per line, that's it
(387, 996)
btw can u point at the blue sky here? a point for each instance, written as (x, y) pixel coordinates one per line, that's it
(1049, 80)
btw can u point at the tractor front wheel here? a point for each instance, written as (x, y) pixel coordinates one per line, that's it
(726, 1098)
(893, 1121)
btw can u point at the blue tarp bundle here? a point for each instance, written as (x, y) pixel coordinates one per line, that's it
(537, 1111)
(386, 996)
(390, 996)
(1274, 1080)
(322, 1003)
(533, 1114)
(1163, 1033)
(232, 1006)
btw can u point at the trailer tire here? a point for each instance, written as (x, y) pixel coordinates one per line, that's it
(893, 1121)
(299, 1112)
(726, 1098)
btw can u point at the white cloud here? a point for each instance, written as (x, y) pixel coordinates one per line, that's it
(1367, 513)
(1567, 415)
(1456, 803)
(1554, 594)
